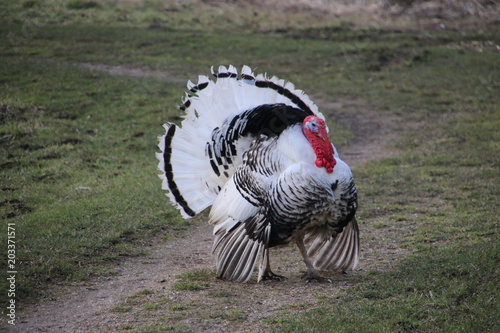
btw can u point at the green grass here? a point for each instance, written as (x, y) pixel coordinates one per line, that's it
(195, 280)
(76, 168)
(445, 184)
(444, 290)
(78, 173)
(157, 15)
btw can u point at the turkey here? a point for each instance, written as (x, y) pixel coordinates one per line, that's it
(257, 151)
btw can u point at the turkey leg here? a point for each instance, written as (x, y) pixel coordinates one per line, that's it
(311, 274)
(268, 274)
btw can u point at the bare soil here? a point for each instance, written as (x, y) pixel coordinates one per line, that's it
(112, 304)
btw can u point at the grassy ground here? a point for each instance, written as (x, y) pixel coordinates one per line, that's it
(78, 173)
(446, 186)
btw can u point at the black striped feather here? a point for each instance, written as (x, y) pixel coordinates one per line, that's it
(294, 203)
(239, 248)
(285, 92)
(267, 120)
(259, 163)
(172, 185)
(338, 253)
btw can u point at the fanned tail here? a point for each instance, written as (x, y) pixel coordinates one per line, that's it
(192, 172)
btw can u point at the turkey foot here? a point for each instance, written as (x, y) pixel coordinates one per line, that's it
(269, 275)
(317, 278)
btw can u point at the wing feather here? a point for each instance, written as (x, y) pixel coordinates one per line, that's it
(339, 253)
(238, 249)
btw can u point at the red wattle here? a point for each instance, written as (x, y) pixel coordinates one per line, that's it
(318, 138)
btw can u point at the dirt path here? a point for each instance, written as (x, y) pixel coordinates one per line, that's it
(143, 292)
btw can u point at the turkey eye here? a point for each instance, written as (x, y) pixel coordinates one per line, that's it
(313, 127)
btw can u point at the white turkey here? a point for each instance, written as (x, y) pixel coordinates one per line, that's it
(257, 151)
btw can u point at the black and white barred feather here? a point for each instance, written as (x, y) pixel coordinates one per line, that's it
(241, 150)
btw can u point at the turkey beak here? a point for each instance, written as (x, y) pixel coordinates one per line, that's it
(321, 135)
